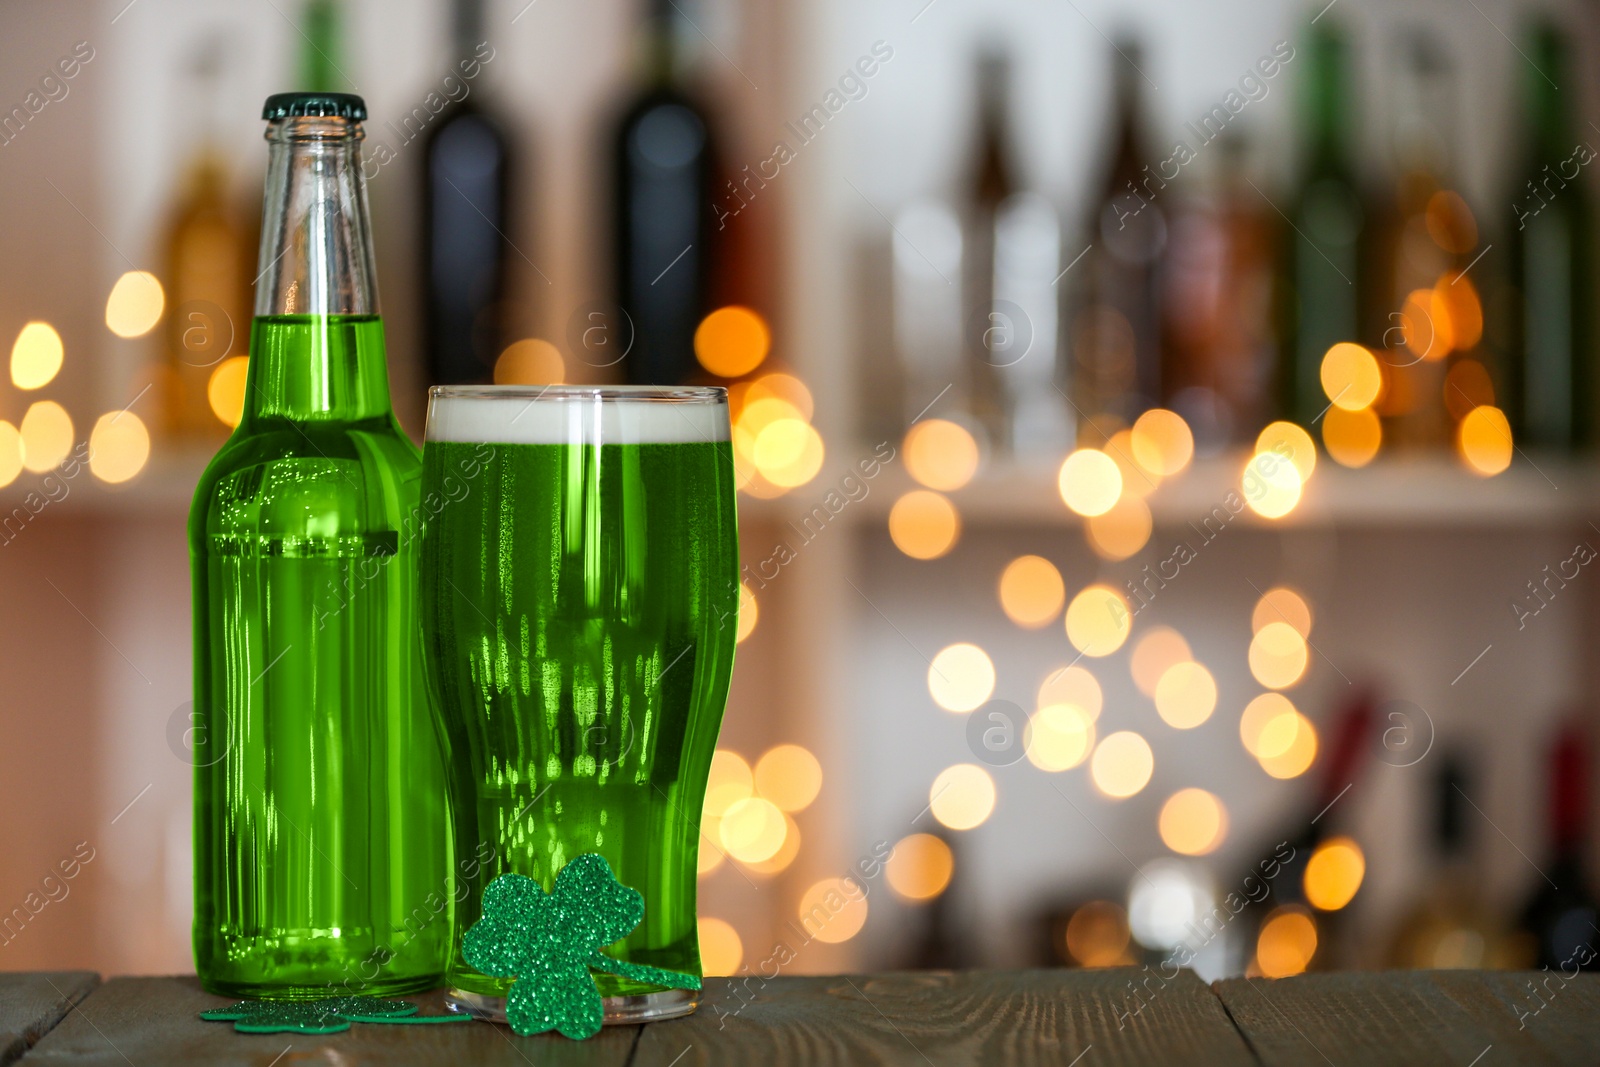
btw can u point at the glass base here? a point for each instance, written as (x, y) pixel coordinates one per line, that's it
(620, 1011)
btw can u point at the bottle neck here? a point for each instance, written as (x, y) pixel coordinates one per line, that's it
(317, 345)
(1328, 104)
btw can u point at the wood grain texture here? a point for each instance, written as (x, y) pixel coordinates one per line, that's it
(1106, 1018)
(30, 1004)
(154, 1022)
(1457, 1018)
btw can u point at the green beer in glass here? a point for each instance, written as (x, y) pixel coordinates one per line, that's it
(580, 600)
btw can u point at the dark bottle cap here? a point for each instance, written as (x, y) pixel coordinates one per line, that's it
(330, 105)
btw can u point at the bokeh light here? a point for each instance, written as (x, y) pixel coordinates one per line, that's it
(1350, 376)
(779, 861)
(1160, 647)
(225, 390)
(529, 362)
(833, 910)
(1186, 695)
(730, 781)
(1098, 621)
(780, 386)
(749, 613)
(1352, 438)
(1089, 482)
(36, 355)
(1193, 822)
(710, 854)
(1136, 481)
(1122, 531)
(1162, 442)
(1286, 943)
(1293, 758)
(1097, 935)
(135, 304)
(1271, 485)
(941, 454)
(1459, 298)
(924, 525)
(961, 677)
(721, 951)
(1122, 764)
(10, 453)
(732, 341)
(1268, 726)
(919, 867)
(752, 829)
(1059, 737)
(1288, 441)
(1426, 326)
(1278, 655)
(119, 446)
(789, 776)
(1031, 592)
(788, 452)
(962, 796)
(1073, 685)
(1484, 440)
(46, 435)
(1334, 873)
(1282, 604)
(1450, 222)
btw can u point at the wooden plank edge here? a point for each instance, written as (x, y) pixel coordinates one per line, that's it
(79, 985)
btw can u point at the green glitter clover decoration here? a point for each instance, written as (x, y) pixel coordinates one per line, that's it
(330, 1015)
(549, 942)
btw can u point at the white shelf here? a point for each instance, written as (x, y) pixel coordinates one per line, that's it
(1405, 491)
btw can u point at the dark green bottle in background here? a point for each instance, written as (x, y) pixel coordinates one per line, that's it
(321, 863)
(1549, 379)
(1323, 250)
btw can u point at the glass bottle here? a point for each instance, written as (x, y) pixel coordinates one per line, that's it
(320, 850)
(1550, 373)
(662, 173)
(1560, 914)
(466, 205)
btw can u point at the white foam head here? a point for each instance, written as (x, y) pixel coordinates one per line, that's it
(588, 415)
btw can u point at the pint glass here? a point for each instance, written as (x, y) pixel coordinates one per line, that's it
(580, 599)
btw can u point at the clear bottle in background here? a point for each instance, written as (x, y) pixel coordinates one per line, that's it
(663, 175)
(321, 864)
(1114, 326)
(1323, 263)
(1449, 925)
(1561, 913)
(207, 274)
(990, 332)
(467, 183)
(1217, 303)
(1549, 376)
(1426, 312)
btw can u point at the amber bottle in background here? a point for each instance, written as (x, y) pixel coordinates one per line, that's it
(1114, 322)
(1549, 377)
(1322, 253)
(207, 271)
(1426, 313)
(1219, 348)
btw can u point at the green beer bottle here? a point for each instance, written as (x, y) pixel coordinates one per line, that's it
(321, 863)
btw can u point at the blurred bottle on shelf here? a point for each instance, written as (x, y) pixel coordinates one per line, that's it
(1323, 261)
(322, 53)
(1448, 925)
(467, 182)
(1217, 310)
(208, 256)
(927, 296)
(1114, 325)
(1560, 916)
(1012, 248)
(1427, 236)
(1283, 879)
(663, 172)
(938, 941)
(1549, 377)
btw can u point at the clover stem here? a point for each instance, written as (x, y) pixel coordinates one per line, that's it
(640, 972)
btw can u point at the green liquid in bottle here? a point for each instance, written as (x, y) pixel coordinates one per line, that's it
(321, 863)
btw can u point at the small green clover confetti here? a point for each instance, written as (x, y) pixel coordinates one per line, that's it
(549, 942)
(330, 1015)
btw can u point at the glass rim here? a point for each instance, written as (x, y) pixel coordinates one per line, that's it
(671, 394)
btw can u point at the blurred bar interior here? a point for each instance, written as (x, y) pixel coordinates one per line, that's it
(1163, 430)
